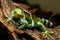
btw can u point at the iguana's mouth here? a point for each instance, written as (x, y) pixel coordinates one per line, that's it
(19, 15)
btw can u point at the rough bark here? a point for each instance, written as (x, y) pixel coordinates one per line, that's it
(25, 34)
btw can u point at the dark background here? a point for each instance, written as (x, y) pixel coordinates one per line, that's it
(53, 5)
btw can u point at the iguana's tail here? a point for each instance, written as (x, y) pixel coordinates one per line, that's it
(45, 22)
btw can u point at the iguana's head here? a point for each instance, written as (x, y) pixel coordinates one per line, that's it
(17, 12)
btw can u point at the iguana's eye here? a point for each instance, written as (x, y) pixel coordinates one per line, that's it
(15, 12)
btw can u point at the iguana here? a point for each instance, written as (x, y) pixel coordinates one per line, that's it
(23, 20)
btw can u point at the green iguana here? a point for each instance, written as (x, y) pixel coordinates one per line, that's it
(25, 20)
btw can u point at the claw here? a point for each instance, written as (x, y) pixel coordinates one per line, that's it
(47, 34)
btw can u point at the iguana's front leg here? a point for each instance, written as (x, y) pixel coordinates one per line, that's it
(8, 19)
(21, 26)
(22, 23)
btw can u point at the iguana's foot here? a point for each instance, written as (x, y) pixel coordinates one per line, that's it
(7, 20)
(20, 27)
(46, 33)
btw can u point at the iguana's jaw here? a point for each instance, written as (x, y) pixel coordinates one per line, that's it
(19, 15)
